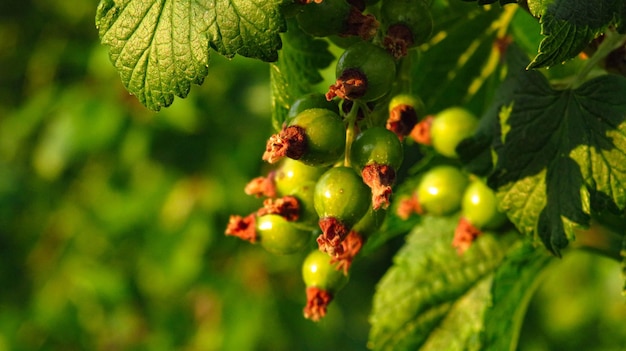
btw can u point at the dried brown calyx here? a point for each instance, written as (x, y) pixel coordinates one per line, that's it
(242, 227)
(352, 84)
(261, 186)
(398, 40)
(408, 206)
(359, 24)
(287, 207)
(333, 233)
(421, 131)
(317, 301)
(379, 178)
(402, 119)
(289, 142)
(464, 235)
(351, 246)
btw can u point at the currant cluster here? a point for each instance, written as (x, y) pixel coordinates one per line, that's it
(445, 188)
(338, 154)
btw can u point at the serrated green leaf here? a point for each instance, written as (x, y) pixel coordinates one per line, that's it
(430, 286)
(161, 47)
(560, 146)
(569, 26)
(487, 2)
(452, 69)
(475, 152)
(513, 285)
(297, 69)
(623, 254)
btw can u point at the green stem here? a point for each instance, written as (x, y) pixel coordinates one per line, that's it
(350, 131)
(612, 41)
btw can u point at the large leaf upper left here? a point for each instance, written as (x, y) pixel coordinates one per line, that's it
(161, 47)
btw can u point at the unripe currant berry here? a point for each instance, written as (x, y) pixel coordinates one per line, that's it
(291, 174)
(407, 23)
(479, 212)
(480, 206)
(313, 100)
(441, 189)
(324, 18)
(341, 199)
(353, 242)
(377, 154)
(279, 236)
(449, 127)
(315, 137)
(305, 194)
(336, 17)
(322, 281)
(364, 72)
(404, 112)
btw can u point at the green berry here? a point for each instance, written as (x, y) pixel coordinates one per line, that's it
(341, 194)
(449, 128)
(376, 145)
(412, 15)
(364, 72)
(305, 193)
(480, 206)
(279, 236)
(325, 136)
(317, 271)
(441, 189)
(291, 174)
(313, 100)
(325, 18)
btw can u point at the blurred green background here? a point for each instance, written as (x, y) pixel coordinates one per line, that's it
(112, 216)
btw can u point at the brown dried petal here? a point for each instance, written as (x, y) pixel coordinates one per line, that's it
(333, 233)
(317, 301)
(242, 227)
(288, 207)
(289, 142)
(379, 178)
(464, 235)
(351, 246)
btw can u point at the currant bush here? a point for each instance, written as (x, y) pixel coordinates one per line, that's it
(432, 100)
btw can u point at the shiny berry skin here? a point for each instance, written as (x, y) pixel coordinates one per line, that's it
(414, 15)
(317, 271)
(305, 193)
(480, 206)
(376, 145)
(364, 72)
(313, 100)
(449, 128)
(441, 189)
(370, 222)
(325, 136)
(409, 100)
(341, 194)
(291, 174)
(323, 19)
(279, 236)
